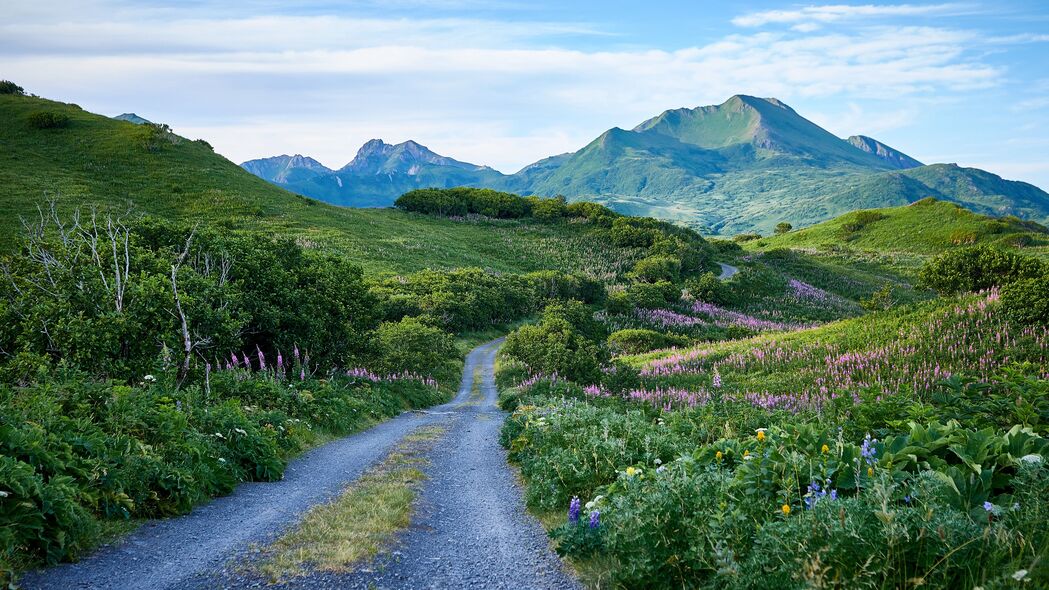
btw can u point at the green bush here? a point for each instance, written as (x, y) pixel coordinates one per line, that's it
(976, 268)
(556, 347)
(9, 87)
(709, 288)
(656, 268)
(432, 201)
(410, 345)
(636, 341)
(48, 120)
(1027, 300)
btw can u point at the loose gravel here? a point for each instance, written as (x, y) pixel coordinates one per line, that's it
(471, 530)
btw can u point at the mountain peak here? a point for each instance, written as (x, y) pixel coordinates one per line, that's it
(132, 118)
(283, 169)
(379, 157)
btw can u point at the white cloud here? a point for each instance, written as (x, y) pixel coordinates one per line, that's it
(838, 12)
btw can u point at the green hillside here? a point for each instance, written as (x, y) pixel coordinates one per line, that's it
(926, 227)
(116, 165)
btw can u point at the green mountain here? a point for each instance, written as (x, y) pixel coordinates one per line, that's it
(132, 118)
(741, 166)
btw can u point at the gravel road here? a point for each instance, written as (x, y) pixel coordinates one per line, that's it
(472, 530)
(727, 270)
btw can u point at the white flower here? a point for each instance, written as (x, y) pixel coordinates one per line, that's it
(1031, 459)
(221, 460)
(240, 431)
(149, 379)
(4, 494)
(1019, 575)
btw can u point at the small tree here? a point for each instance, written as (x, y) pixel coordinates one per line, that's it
(977, 267)
(9, 87)
(783, 227)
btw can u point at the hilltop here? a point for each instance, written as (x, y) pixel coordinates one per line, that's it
(926, 227)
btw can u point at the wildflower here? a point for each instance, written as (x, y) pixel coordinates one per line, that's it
(868, 451)
(834, 494)
(761, 435)
(786, 509)
(746, 454)
(825, 449)
(149, 379)
(716, 382)
(988, 506)
(718, 455)
(595, 519)
(870, 472)
(573, 510)
(631, 471)
(1020, 575)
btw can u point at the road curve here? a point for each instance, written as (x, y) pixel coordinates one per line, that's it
(727, 271)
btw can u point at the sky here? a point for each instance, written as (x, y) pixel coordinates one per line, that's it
(505, 83)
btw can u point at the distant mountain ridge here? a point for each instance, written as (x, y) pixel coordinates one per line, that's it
(743, 165)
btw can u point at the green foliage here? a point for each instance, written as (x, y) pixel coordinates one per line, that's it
(656, 268)
(556, 347)
(9, 87)
(636, 341)
(1027, 300)
(548, 209)
(48, 120)
(410, 345)
(74, 452)
(708, 287)
(782, 228)
(976, 268)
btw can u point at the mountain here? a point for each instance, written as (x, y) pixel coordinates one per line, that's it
(894, 157)
(741, 166)
(132, 118)
(286, 169)
(376, 176)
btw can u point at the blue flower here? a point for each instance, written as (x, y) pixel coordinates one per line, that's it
(595, 519)
(573, 510)
(988, 506)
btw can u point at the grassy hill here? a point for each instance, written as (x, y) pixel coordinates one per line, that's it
(926, 227)
(117, 165)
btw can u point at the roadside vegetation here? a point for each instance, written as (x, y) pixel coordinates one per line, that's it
(815, 421)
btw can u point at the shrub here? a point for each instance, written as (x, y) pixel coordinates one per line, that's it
(750, 237)
(652, 295)
(635, 341)
(413, 346)
(1027, 300)
(48, 120)
(656, 268)
(709, 288)
(9, 87)
(783, 227)
(555, 347)
(432, 201)
(976, 268)
(548, 209)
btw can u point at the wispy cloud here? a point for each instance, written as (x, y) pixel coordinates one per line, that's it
(839, 12)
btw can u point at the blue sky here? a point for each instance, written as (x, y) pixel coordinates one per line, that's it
(506, 83)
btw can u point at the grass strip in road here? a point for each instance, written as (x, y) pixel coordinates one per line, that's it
(358, 524)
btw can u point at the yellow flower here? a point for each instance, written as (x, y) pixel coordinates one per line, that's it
(786, 509)
(825, 449)
(631, 472)
(718, 456)
(746, 453)
(870, 472)
(761, 435)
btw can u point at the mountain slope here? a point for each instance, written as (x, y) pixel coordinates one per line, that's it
(925, 227)
(286, 169)
(97, 161)
(895, 158)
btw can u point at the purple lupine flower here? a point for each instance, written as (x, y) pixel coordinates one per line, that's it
(233, 357)
(280, 361)
(573, 510)
(716, 382)
(296, 352)
(868, 451)
(595, 519)
(302, 374)
(834, 494)
(262, 358)
(247, 360)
